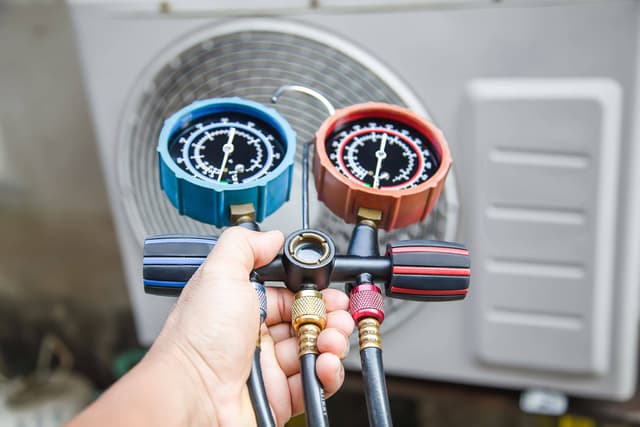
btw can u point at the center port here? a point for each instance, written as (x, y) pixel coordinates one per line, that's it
(309, 248)
(308, 253)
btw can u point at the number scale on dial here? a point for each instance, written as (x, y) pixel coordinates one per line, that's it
(383, 154)
(228, 149)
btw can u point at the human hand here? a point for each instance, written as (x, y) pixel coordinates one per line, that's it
(211, 334)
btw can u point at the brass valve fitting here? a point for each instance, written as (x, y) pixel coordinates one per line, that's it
(308, 318)
(369, 333)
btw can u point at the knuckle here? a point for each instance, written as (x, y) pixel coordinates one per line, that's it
(235, 233)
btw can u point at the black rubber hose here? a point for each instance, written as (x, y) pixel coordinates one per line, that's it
(258, 394)
(314, 404)
(375, 390)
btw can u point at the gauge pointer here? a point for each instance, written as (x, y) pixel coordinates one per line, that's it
(227, 148)
(381, 154)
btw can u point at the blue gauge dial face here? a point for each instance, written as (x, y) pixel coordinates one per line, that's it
(227, 148)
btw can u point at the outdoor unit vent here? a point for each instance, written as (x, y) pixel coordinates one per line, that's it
(537, 102)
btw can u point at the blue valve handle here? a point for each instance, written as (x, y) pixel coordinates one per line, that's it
(418, 270)
(171, 260)
(208, 201)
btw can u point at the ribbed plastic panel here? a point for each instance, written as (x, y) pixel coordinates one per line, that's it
(544, 220)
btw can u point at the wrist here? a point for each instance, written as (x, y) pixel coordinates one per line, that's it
(173, 386)
(157, 391)
(206, 398)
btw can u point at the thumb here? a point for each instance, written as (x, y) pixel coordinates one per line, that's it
(238, 251)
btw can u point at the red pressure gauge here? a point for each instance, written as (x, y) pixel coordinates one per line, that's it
(382, 157)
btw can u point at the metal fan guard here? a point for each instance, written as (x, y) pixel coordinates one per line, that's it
(251, 60)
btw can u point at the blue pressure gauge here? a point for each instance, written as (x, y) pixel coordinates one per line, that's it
(221, 152)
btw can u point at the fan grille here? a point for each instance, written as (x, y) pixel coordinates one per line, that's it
(250, 64)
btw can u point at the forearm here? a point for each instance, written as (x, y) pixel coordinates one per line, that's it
(157, 392)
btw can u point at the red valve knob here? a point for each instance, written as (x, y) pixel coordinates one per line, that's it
(365, 300)
(428, 270)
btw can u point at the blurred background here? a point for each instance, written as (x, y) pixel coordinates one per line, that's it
(538, 100)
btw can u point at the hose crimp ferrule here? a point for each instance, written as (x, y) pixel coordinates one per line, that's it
(369, 333)
(308, 318)
(366, 300)
(262, 299)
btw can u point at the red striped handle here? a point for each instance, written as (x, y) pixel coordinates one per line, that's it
(428, 270)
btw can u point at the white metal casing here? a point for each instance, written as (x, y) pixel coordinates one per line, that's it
(539, 105)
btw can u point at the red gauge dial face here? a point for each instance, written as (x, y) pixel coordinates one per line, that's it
(381, 153)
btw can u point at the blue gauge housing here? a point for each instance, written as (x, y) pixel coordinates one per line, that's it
(209, 201)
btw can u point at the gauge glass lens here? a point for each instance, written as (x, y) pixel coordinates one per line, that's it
(228, 148)
(382, 153)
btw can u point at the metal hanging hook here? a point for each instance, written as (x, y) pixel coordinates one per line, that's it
(305, 154)
(307, 91)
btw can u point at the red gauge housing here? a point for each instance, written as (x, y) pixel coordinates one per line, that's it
(344, 195)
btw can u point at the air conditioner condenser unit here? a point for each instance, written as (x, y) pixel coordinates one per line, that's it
(538, 103)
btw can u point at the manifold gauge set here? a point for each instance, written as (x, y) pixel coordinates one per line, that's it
(229, 162)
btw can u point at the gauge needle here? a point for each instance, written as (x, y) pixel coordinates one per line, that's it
(381, 154)
(227, 148)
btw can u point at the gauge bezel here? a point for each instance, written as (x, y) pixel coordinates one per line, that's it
(201, 108)
(400, 207)
(211, 202)
(375, 110)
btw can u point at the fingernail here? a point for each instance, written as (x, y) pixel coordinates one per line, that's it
(340, 374)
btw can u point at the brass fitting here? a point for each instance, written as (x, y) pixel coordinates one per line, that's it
(308, 339)
(242, 213)
(369, 333)
(308, 318)
(370, 217)
(308, 307)
(310, 240)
